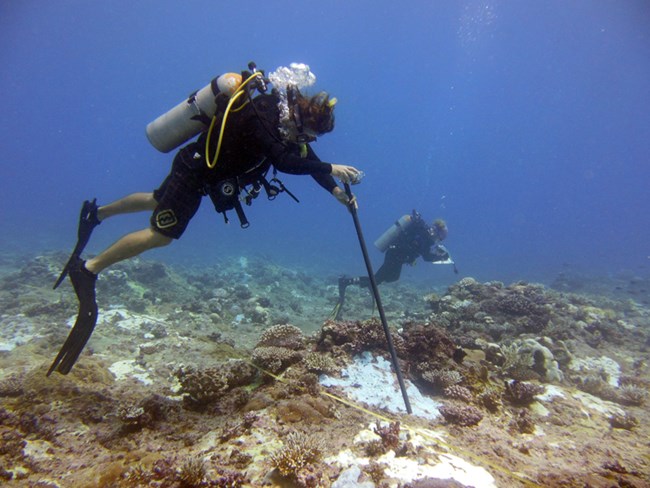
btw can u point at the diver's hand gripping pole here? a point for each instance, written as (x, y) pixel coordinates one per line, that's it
(375, 292)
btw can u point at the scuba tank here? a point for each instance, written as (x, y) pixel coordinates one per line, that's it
(191, 116)
(393, 232)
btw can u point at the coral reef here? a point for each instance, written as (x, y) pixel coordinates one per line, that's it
(464, 416)
(279, 347)
(160, 396)
(298, 457)
(439, 378)
(623, 421)
(632, 395)
(523, 422)
(285, 335)
(320, 363)
(192, 473)
(347, 337)
(458, 392)
(490, 398)
(388, 439)
(204, 386)
(521, 392)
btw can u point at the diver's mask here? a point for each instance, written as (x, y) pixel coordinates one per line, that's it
(302, 135)
(310, 119)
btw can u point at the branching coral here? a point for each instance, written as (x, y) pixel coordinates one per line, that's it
(595, 384)
(442, 378)
(279, 347)
(300, 451)
(192, 473)
(516, 304)
(320, 363)
(388, 439)
(425, 342)
(632, 395)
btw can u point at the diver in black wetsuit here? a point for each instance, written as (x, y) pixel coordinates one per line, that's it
(262, 132)
(409, 238)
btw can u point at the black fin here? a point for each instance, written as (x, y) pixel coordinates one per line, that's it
(87, 222)
(83, 282)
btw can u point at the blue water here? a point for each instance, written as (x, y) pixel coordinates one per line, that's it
(524, 124)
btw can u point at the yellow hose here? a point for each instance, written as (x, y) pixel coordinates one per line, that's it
(239, 92)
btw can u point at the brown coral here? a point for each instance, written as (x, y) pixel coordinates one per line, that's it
(425, 342)
(192, 473)
(285, 335)
(320, 363)
(632, 395)
(202, 387)
(522, 393)
(11, 386)
(623, 421)
(490, 398)
(440, 378)
(275, 359)
(354, 337)
(464, 416)
(458, 392)
(300, 451)
(523, 422)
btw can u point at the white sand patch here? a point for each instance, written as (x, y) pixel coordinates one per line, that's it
(122, 318)
(597, 404)
(431, 463)
(371, 380)
(129, 369)
(602, 364)
(15, 330)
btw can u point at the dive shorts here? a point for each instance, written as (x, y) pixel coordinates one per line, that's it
(178, 197)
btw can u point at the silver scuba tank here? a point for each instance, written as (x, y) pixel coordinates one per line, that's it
(392, 233)
(180, 124)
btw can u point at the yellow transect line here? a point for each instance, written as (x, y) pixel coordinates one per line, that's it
(420, 432)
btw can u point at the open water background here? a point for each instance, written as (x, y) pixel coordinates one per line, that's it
(524, 124)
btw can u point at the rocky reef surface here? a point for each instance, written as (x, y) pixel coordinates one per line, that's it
(217, 376)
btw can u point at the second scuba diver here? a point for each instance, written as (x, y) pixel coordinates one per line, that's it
(407, 239)
(264, 131)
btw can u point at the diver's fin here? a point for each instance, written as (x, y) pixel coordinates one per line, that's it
(83, 282)
(335, 314)
(88, 220)
(344, 282)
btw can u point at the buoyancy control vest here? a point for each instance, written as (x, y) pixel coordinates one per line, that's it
(242, 179)
(245, 177)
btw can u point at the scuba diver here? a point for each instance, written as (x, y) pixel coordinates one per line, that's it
(407, 239)
(244, 133)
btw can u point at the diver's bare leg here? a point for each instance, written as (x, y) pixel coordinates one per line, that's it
(128, 246)
(136, 202)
